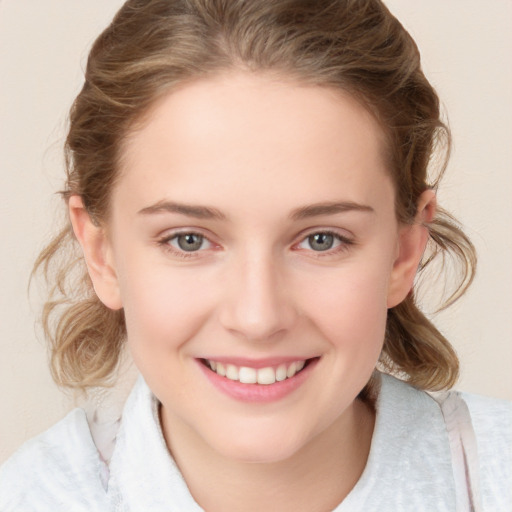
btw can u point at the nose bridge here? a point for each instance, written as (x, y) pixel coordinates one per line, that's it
(256, 304)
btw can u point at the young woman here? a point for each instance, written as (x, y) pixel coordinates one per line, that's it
(248, 184)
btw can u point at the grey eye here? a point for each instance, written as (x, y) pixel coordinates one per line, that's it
(321, 241)
(189, 242)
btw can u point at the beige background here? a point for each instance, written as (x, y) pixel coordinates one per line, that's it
(466, 46)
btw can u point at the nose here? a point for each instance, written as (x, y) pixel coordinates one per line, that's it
(256, 305)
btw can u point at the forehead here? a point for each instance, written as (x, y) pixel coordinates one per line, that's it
(253, 134)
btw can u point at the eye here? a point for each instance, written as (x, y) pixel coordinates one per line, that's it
(189, 242)
(323, 241)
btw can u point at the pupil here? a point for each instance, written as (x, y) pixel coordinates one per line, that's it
(321, 241)
(190, 242)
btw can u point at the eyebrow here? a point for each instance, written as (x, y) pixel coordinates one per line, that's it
(206, 212)
(199, 212)
(329, 208)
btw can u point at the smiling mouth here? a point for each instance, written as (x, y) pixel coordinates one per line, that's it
(265, 376)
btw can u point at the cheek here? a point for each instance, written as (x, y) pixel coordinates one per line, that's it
(350, 307)
(164, 307)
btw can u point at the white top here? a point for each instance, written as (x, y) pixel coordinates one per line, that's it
(409, 467)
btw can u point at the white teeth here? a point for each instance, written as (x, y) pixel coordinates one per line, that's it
(231, 372)
(221, 370)
(292, 370)
(265, 376)
(248, 375)
(281, 372)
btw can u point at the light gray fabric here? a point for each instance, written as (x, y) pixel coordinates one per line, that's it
(409, 467)
(492, 422)
(56, 471)
(464, 450)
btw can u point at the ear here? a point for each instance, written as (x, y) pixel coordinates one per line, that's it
(97, 253)
(412, 241)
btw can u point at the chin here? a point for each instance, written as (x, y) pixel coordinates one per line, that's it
(261, 448)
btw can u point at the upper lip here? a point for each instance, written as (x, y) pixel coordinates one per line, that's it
(257, 363)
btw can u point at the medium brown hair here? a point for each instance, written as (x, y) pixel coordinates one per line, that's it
(153, 46)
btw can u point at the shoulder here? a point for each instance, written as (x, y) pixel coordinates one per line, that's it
(492, 424)
(55, 470)
(490, 416)
(412, 425)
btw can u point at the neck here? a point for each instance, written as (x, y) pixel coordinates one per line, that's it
(316, 478)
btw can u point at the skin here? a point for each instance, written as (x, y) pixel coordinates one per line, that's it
(256, 149)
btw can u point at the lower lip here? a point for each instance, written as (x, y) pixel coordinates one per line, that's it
(261, 393)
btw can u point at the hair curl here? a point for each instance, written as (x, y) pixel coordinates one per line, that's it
(153, 46)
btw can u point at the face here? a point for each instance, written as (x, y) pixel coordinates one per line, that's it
(253, 233)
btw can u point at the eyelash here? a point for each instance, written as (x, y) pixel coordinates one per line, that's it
(344, 244)
(164, 242)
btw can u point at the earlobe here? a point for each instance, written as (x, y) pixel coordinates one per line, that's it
(97, 253)
(411, 246)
